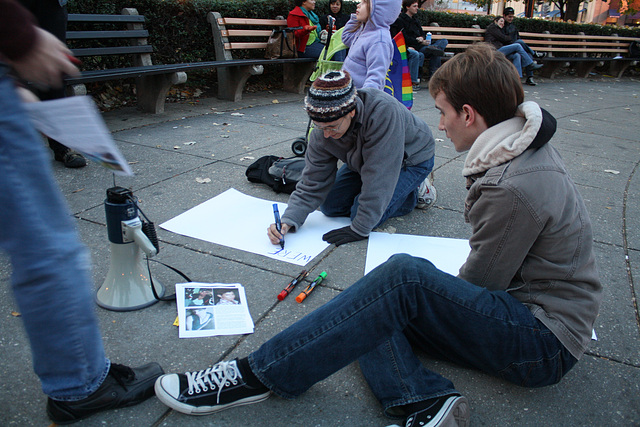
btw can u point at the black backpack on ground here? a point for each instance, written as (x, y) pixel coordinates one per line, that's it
(281, 174)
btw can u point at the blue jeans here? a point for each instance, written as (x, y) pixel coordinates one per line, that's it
(525, 47)
(434, 61)
(408, 302)
(415, 59)
(51, 279)
(312, 50)
(517, 55)
(343, 197)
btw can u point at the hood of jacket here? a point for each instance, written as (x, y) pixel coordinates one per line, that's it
(383, 13)
(531, 127)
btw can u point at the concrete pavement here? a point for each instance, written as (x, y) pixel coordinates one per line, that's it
(598, 136)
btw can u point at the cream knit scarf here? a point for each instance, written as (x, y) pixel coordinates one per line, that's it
(504, 141)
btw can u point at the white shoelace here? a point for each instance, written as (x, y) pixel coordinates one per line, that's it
(220, 375)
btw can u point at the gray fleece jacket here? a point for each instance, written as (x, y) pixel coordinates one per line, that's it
(531, 231)
(383, 137)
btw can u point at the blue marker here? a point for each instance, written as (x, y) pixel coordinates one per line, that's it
(276, 214)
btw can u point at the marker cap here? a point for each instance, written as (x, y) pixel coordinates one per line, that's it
(282, 295)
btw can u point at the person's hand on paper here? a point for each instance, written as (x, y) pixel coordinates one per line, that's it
(47, 62)
(274, 236)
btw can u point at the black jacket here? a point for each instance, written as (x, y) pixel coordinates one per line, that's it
(495, 36)
(411, 29)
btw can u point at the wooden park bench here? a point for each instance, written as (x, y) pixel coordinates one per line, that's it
(123, 35)
(582, 52)
(241, 42)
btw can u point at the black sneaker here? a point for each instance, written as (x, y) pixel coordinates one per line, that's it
(70, 159)
(449, 411)
(534, 66)
(435, 51)
(530, 81)
(208, 391)
(122, 387)
(540, 55)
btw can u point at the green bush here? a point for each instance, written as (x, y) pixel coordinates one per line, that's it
(179, 31)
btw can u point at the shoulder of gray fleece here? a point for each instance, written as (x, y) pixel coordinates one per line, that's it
(504, 141)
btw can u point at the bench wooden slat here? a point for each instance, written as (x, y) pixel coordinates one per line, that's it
(83, 17)
(577, 37)
(250, 21)
(115, 50)
(246, 33)
(245, 45)
(115, 34)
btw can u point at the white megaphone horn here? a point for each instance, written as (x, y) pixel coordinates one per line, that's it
(128, 285)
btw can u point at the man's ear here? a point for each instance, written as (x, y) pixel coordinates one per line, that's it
(469, 115)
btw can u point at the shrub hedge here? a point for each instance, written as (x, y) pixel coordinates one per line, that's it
(179, 30)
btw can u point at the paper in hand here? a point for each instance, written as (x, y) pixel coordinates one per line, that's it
(76, 122)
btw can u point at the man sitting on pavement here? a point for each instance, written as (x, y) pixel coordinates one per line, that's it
(522, 307)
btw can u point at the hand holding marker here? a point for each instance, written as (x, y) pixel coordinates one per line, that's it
(276, 214)
(309, 288)
(292, 284)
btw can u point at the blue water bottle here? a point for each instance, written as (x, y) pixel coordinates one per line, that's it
(428, 38)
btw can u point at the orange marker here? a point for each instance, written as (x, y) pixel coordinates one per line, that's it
(309, 288)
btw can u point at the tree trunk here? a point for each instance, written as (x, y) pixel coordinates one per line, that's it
(571, 13)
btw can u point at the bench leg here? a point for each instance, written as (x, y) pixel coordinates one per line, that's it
(551, 68)
(619, 66)
(583, 69)
(296, 76)
(75, 90)
(231, 80)
(152, 90)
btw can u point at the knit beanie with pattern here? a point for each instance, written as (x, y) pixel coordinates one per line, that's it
(331, 97)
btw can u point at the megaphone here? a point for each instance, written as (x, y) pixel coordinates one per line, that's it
(128, 285)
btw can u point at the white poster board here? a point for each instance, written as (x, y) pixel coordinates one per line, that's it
(239, 221)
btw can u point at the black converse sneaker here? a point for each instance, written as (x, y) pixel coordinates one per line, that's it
(122, 387)
(447, 411)
(208, 391)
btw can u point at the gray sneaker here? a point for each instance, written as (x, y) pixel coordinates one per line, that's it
(427, 193)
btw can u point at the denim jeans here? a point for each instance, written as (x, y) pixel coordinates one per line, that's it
(434, 61)
(517, 55)
(51, 275)
(415, 60)
(342, 199)
(312, 50)
(525, 47)
(405, 303)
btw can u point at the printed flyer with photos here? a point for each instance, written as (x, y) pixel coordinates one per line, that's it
(210, 309)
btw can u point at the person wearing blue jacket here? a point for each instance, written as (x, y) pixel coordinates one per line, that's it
(368, 37)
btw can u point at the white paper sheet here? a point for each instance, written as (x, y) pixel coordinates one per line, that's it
(239, 221)
(210, 309)
(446, 254)
(76, 122)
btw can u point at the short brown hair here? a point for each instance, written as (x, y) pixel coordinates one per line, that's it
(407, 3)
(483, 78)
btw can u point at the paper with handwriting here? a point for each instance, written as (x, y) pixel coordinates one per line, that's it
(240, 221)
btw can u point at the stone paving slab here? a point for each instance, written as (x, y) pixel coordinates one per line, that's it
(598, 129)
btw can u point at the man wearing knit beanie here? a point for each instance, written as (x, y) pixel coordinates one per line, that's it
(387, 154)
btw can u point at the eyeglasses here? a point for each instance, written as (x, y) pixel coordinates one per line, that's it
(331, 129)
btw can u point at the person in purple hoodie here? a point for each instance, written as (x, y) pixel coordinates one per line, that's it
(369, 41)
